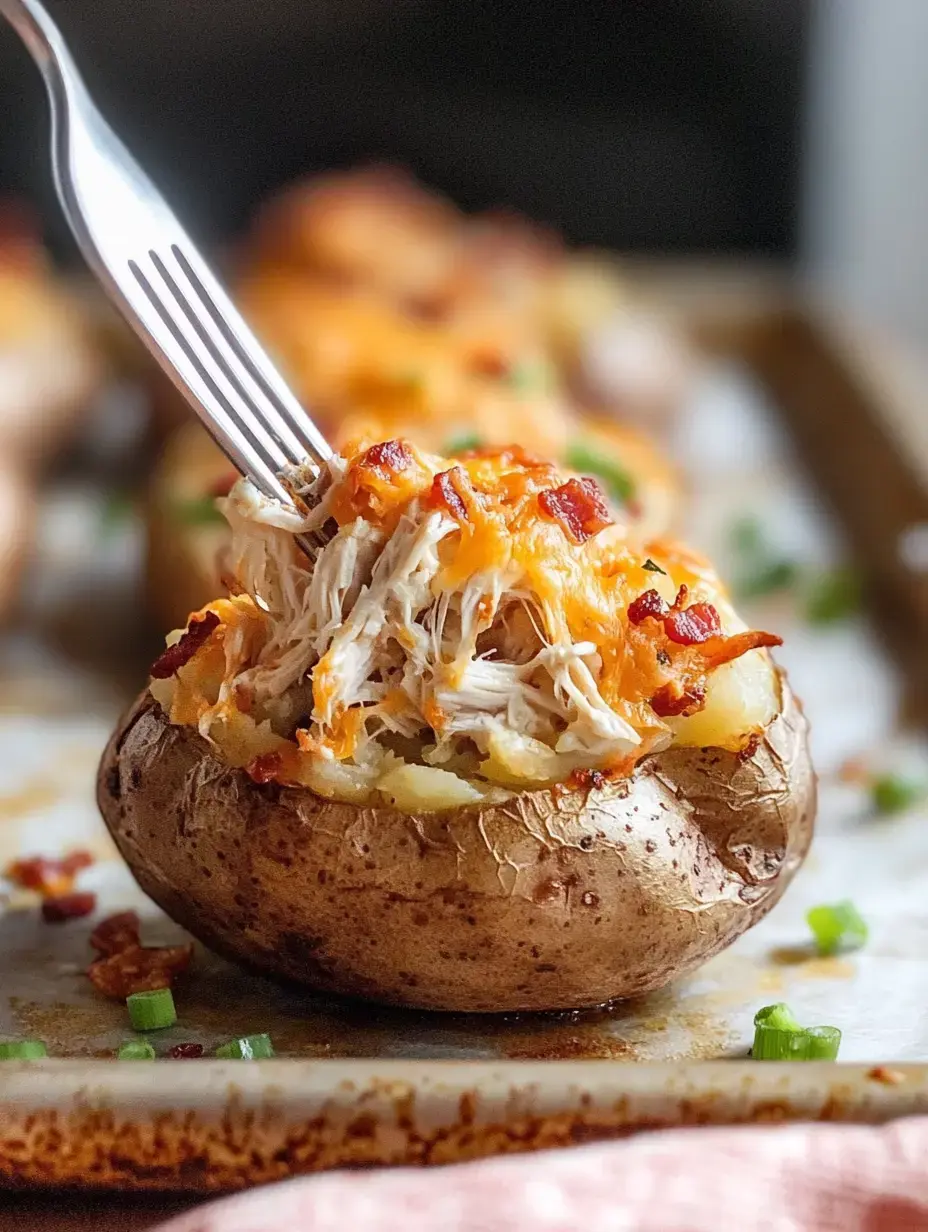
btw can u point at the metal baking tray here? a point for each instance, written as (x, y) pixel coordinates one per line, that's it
(360, 1084)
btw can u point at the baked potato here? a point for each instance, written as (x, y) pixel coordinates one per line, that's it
(485, 752)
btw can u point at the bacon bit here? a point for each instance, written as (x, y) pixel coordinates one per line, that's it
(670, 701)
(491, 364)
(647, 605)
(579, 506)
(125, 965)
(68, 907)
(587, 779)
(184, 1052)
(139, 969)
(693, 625)
(49, 876)
(750, 748)
(223, 486)
(174, 658)
(116, 933)
(386, 459)
(446, 493)
(265, 767)
(854, 770)
(719, 650)
(889, 1077)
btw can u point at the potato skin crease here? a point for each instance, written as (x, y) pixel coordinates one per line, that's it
(558, 899)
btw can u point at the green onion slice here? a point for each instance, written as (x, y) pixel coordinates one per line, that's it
(778, 1036)
(463, 442)
(833, 596)
(247, 1048)
(837, 927)
(777, 1017)
(198, 511)
(152, 1011)
(821, 1044)
(588, 459)
(22, 1050)
(653, 567)
(891, 793)
(135, 1050)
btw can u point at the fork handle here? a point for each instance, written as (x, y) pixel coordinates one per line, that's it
(43, 39)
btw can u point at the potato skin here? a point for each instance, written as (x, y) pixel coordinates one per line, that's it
(553, 900)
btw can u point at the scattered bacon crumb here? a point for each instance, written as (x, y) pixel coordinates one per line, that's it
(125, 965)
(579, 506)
(854, 770)
(139, 969)
(264, 768)
(174, 658)
(117, 932)
(889, 1077)
(670, 701)
(68, 907)
(50, 876)
(446, 493)
(183, 1052)
(719, 650)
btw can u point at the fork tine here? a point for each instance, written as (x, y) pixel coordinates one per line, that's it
(278, 435)
(240, 340)
(261, 457)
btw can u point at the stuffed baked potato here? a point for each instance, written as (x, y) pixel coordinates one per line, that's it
(483, 753)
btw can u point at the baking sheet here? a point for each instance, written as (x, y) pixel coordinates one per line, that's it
(63, 682)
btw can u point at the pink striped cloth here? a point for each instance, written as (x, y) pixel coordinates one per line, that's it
(778, 1179)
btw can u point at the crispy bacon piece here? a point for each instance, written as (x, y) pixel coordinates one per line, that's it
(386, 459)
(588, 778)
(68, 907)
(579, 506)
(184, 1052)
(671, 700)
(174, 658)
(719, 650)
(116, 933)
(264, 768)
(446, 493)
(647, 605)
(49, 876)
(139, 969)
(693, 625)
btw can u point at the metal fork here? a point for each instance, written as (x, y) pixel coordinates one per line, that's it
(152, 270)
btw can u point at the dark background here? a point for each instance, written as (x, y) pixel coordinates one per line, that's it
(641, 124)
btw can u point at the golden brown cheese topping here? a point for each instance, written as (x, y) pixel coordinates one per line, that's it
(485, 618)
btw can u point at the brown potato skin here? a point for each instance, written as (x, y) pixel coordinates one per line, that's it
(553, 900)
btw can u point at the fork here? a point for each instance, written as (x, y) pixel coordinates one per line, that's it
(152, 270)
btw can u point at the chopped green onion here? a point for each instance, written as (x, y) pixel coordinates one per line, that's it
(653, 568)
(837, 927)
(747, 536)
(833, 596)
(135, 1050)
(768, 578)
(779, 1037)
(118, 507)
(891, 793)
(588, 460)
(778, 1017)
(248, 1048)
(198, 511)
(821, 1044)
(22, 1050)
(152, 1011)
(463, 442)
